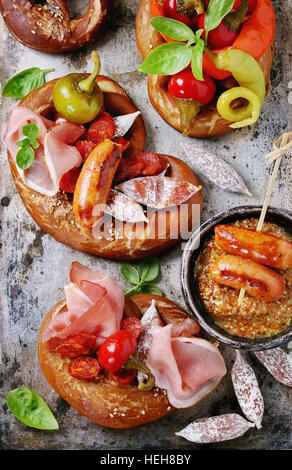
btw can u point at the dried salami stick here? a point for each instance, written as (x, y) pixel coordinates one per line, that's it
(247, 390)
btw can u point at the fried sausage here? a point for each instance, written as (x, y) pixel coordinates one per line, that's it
(258, 281)
(258, 246)
(94, 182)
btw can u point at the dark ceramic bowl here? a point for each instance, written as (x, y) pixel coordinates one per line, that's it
(190, 291)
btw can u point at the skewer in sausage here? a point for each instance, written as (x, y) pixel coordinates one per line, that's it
(258, 281)
(256, 245)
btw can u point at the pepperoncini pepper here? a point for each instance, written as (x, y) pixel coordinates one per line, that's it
(134, 362)
(77, 97)
(249, 75)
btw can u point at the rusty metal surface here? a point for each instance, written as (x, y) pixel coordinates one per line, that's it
(34, 267)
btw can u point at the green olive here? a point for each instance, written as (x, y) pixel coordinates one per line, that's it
(77, 97)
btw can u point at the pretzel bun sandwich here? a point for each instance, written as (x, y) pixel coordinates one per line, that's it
(120, 361)
(208, 62)
(75, 148)
(47, 26)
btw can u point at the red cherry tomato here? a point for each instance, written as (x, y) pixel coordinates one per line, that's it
(185, 85)
(170, 12)
(219, 37)
(116, 350)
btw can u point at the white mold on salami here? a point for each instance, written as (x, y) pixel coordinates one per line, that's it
(215, 169)
(145, 340)
(278, 363)
(247, 390)
(124, 123)
(216, 429)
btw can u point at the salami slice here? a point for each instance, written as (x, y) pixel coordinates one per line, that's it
(158, 192)
(247, 390)
(216, 429)
(278, 363)
(123, 207)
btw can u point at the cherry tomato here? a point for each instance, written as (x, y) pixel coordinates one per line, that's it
(185, 85)
(116, 350)
(219, 37)
(170, 12)
(133, 325)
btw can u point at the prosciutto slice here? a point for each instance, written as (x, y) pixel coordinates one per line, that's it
(55, 155)
(95, 305)
(187, 368)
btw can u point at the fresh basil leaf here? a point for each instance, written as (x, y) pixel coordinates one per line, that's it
(149, 269)
(167, 59)
(34, 143)
(25, 157)
(132, 290)
(30, 130)
(173, 29)
(24, 82)
(150, 288)
(197, 60)
(30, 408)
(23, 142)
(215, 13)
(130, 273)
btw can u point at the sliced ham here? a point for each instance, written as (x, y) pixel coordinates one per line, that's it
(95, 305)
(60, 155)
(54, 157)
(187, 368)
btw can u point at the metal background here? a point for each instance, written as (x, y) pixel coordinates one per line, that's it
(34, 267)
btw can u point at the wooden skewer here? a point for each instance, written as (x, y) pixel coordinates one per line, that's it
(280, 152)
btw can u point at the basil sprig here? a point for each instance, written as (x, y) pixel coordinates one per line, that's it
(216, 11)
(141, 277)
(30, 408)
(24, 82)
(25, 156)
(172, 57)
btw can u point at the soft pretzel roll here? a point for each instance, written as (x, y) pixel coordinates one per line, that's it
(49, 28)
(208, 123)
(103, 401)
(54, 214)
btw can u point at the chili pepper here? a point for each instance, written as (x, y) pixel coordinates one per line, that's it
(250, 77)
(116, 350)
(134, 362)
(258, 32)
(77, 97)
